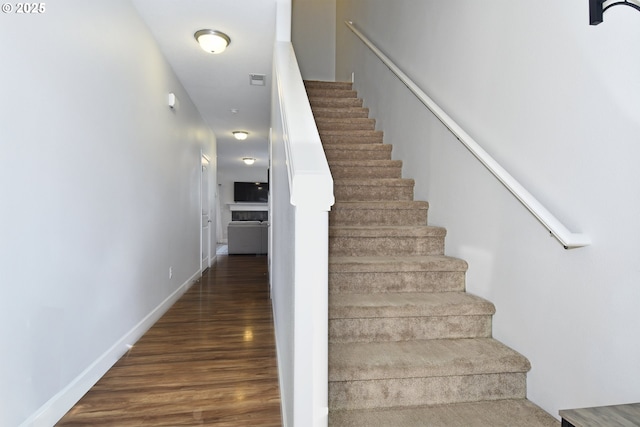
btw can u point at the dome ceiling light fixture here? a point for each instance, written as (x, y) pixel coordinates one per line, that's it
(248, 160)
(212, 41)
(240, 135)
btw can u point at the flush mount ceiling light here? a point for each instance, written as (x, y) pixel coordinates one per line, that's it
(240, 135)
(248, 160)
(212, 41)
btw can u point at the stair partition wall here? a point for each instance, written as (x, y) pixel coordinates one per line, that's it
(301, 195)
(567, 238)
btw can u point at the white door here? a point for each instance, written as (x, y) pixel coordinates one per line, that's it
(205, 240)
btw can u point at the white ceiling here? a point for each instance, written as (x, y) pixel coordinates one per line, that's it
(217, 84)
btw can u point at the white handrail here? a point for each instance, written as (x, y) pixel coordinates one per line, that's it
(556, 228)
(309, 175)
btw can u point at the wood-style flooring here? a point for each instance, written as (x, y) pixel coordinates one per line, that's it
(209, 361)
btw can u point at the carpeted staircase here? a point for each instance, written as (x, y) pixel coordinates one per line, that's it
(407, 345)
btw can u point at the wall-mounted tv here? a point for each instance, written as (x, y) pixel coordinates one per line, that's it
(257, 192)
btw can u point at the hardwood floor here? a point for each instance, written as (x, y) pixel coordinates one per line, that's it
(209, 361)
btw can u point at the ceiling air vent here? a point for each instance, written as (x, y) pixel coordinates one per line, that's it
(257, 79)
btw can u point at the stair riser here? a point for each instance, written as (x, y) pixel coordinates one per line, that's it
(503, 413)
(370, 137)
(409, 328)
(425, 391)
(365, 172)
(408, 281)
(372, 193)
(345, 154)
(378, 217)
(385, 246)
(351, 124)
(331, 93)
(315, 84)
(335, 102)
(340, 113)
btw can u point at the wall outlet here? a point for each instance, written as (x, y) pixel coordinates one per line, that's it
(170, 272)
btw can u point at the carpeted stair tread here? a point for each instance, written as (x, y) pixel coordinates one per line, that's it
(373, 264)
(315, 92)
(373, 189)
(327, 112)
(343, 192)
(419, 391)
(338, 136)
(324, 84)
(386, 231)
(359, 147)
(379, 213)
(328, 102)
(342, 123)
(383, 205)
(413, 304)
(369, 317)
(498, 413)
(357, 151)
(418, 359)
(342, 120)
(387, 240)
(387, 182)
(410, 273)
(396, 329)
(370, 168)
(351, 133)
(341, 138)
(367, 163)
(341, 169)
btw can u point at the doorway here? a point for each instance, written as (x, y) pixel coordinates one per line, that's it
(205, 203)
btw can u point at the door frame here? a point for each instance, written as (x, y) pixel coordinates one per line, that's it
(205, 246)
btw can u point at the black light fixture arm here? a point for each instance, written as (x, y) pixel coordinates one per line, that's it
(598, 7)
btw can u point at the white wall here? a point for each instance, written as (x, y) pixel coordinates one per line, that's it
(313, 34)
(99, 196)
(226, 178)
(556, 102)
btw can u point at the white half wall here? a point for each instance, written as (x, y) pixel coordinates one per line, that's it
(99, 198)
(557, 103)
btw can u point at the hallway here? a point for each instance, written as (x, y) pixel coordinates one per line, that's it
(209, 361)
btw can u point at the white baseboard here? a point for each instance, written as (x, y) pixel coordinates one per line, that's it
(52, 411)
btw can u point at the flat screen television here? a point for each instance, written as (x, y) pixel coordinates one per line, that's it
(256, 192)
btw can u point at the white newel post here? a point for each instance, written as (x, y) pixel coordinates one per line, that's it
(311, 331)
